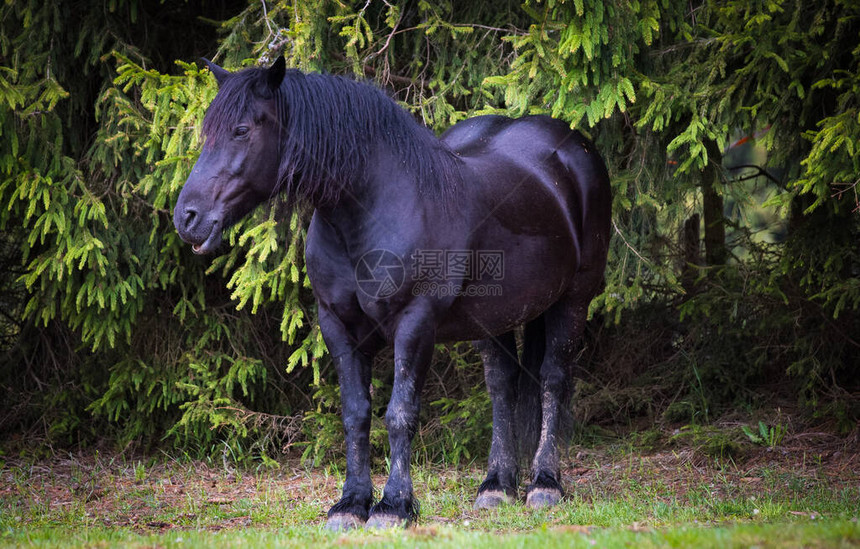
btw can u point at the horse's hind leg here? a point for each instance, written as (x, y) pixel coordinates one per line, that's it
(501, 370)
(564, 325)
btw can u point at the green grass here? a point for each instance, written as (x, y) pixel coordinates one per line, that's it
(823, 534)
(680, 498)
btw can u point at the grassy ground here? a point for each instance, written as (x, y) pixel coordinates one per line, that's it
(804, 492)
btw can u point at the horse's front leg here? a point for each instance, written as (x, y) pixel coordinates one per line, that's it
(413, 350)
(353, 371)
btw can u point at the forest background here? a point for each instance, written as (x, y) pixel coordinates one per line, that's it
(731, 131)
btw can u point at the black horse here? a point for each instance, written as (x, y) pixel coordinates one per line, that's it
(416, 240)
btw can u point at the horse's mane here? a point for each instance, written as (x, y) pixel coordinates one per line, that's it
(328, 127)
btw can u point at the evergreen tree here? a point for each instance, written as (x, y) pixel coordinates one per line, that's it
(106, 319)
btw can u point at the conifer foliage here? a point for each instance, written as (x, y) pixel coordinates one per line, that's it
(111, 327)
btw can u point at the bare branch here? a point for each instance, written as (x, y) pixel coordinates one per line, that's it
(632, 249)
(760, 171)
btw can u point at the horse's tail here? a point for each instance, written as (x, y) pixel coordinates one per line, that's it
(528, 412)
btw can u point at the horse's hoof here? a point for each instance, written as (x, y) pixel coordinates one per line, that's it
(340, 522)
(490, 499)
(383, 521)
(543, 497)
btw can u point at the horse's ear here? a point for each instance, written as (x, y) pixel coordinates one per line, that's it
(275, 74)
(220, 74)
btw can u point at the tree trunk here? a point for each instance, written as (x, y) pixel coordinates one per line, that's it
(712, 208)
(691, 259)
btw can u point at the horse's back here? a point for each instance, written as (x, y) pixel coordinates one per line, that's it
(470, 136)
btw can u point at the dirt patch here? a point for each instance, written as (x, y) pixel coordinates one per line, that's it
(804, 460)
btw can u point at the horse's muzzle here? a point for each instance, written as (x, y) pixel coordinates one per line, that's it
(203, 234)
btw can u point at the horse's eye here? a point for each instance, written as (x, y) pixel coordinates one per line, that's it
(241, 131)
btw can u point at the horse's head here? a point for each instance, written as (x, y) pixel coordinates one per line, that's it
(238, 166)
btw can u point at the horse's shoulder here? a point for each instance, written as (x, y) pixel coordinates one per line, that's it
(325, 256)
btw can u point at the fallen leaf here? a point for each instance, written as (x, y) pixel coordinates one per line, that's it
(219, 501)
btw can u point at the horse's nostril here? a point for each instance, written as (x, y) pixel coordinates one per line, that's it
(190, 217)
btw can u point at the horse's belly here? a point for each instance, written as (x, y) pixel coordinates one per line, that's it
(483, 318)
(515, 292)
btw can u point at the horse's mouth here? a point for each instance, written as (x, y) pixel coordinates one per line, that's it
(210, 244)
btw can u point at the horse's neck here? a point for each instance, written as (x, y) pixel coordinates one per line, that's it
(383, 204)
